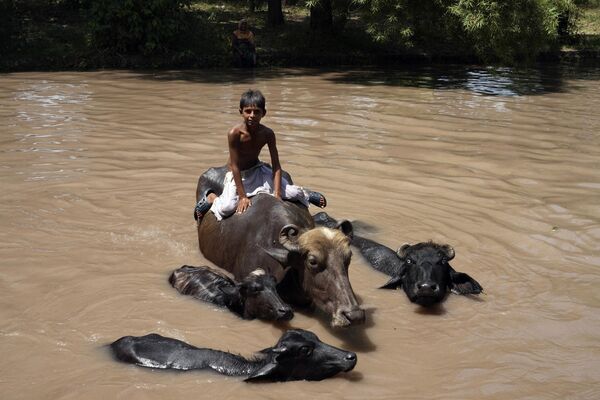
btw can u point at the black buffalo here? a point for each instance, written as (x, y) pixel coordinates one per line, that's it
(298, 355)
(254, 297)
(422, 269)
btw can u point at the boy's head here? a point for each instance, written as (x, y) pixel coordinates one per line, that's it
(253, 98)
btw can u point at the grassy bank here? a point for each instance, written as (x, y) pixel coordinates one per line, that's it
(589, 28)
(53, 38)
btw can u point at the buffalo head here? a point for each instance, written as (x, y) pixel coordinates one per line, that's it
(261, 300)
(319, 259)
(425, 274)
(300, 354)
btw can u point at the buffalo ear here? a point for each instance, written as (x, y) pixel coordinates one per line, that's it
(264, 372)
(401, 252)
(346, 227)
(267, 370)
(449, 251)
(279, 255)
(461, 283)
(393, 283)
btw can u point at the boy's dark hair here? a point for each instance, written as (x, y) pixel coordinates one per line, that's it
(252, 98)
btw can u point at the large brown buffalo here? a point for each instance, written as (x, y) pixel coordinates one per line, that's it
(310, 264)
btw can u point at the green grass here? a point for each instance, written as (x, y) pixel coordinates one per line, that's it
(589, 24)
(588, 28)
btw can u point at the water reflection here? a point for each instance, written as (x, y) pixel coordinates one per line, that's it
(49, 119)
(492, 81)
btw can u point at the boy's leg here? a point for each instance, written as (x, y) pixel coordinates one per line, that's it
(222, 206)
(226, 204)
(293, 192)
(204, 204)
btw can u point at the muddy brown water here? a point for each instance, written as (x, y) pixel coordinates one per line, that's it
(98, 173)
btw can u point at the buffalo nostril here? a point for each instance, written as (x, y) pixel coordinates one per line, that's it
(427, 287)
(285, 313)
(355, 315)
(350, 357)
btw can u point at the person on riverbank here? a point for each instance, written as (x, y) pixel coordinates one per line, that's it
(242, 43)
(247, 175)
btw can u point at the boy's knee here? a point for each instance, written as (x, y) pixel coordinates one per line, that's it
(226, 208)
(294, 192)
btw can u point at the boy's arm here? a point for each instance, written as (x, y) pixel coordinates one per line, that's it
(233, 139)
(275, 164)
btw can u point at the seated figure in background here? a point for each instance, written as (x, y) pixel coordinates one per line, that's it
(242, 42)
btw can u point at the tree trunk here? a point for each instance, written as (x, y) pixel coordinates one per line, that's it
(274, 13)
(321, 16)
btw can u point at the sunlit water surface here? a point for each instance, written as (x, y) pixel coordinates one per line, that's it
(98, 174)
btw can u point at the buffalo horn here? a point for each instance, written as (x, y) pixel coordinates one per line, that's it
(288, 237)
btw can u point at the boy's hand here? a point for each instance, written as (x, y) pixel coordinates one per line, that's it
(243, 205)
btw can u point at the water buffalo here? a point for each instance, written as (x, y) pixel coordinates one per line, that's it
(422, 269)
(298, 355)
(310, 264)
(255, 297)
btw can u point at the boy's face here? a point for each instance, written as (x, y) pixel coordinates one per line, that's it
(252, 115)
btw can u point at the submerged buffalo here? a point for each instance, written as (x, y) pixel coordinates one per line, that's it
(310, 264)
(298, 355)
(422, 269)
(254, 297)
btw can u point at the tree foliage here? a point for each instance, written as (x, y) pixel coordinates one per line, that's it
(492, 29)
(8, 25)
(131, 26)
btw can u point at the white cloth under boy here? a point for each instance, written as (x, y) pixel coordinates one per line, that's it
(258, 179)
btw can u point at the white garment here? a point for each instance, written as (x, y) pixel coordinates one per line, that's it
(258, 179)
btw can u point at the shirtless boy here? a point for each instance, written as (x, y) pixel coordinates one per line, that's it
(247, 175)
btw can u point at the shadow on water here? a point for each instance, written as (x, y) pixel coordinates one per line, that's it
(436, 310)
(489, 81)
(354, 338)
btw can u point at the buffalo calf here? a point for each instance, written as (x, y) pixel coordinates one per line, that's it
(425, 274)
(422, 269)
(298, 355)
(255, 297)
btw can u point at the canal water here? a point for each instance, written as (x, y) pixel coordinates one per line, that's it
(98, 173)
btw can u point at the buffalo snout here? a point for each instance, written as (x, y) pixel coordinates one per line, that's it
(348, 316)
(427, 288)
(284, 313)
(348, 362)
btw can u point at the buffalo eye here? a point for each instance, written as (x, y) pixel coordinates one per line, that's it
(255, 289)
(409, 260)
(312, 261)
(443, 258)
(305, 351)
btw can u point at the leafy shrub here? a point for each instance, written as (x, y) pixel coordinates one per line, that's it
(491, 29)
(136, 26)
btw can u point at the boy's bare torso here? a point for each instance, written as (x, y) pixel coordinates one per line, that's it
(249, 144)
